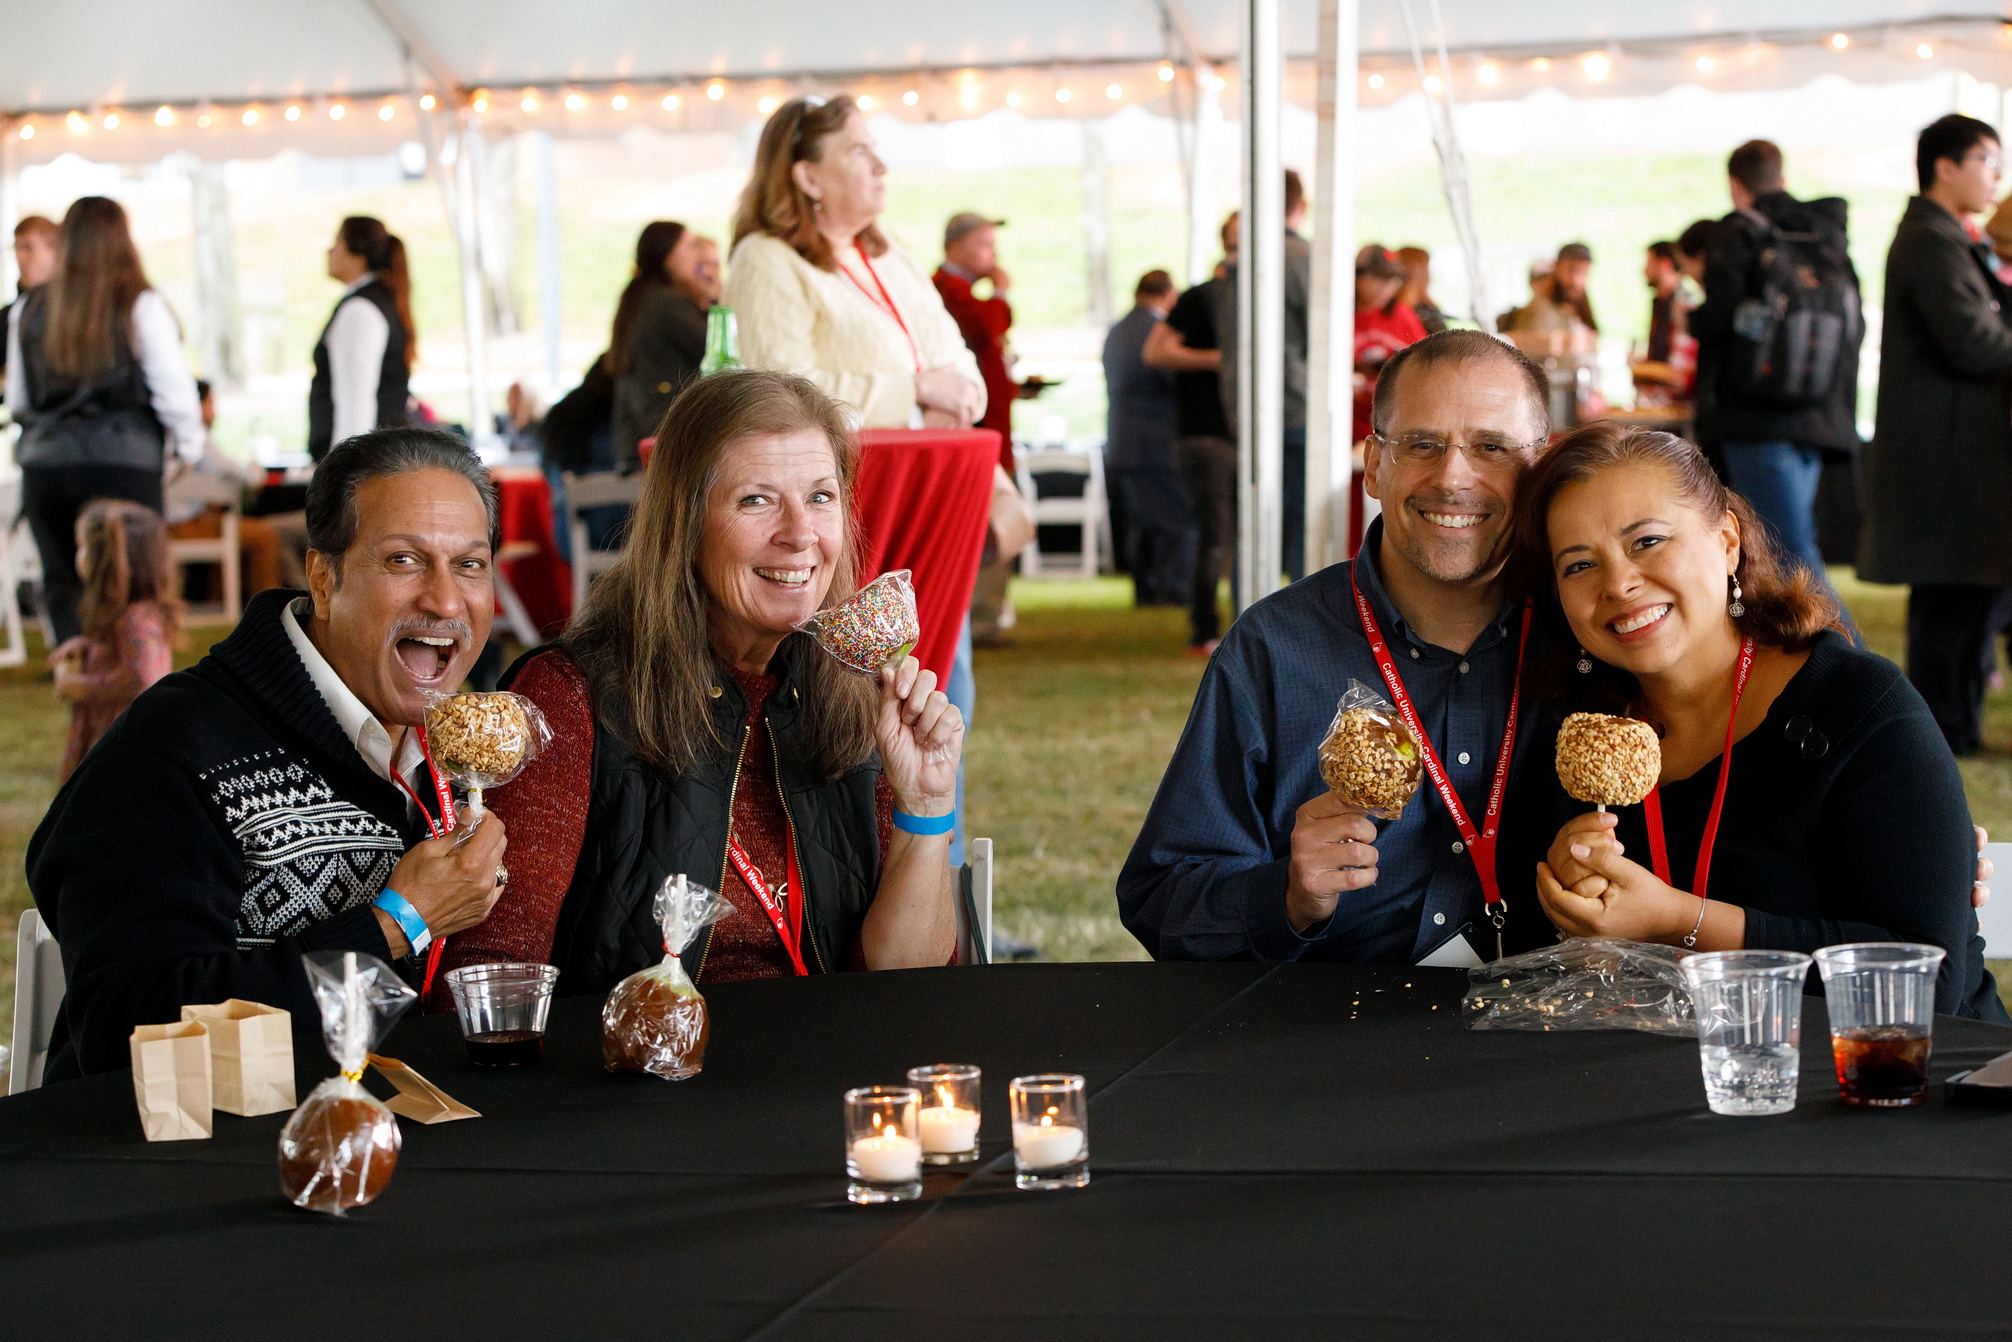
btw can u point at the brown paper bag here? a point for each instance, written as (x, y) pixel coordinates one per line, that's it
(251, 1056)
(418, 1099)
(171, 1080)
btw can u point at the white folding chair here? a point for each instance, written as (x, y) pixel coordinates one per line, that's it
(220, 550)
(974, 906)
(1994, 920)
(594, 490)
(38, 996)
(1086, 511)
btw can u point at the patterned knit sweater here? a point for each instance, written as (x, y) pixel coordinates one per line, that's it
(223, 827)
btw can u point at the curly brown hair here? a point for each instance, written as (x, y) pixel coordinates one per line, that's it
(1786, 606)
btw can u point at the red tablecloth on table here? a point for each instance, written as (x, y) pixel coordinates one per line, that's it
(922, 502)
(543, 580)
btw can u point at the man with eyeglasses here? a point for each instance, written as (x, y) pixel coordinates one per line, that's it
(1938, 494)
(1246, 854)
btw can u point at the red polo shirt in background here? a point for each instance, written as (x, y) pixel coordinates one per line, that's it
(984, 322)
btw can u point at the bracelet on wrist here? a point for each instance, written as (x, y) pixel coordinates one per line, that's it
(925, 824)
(408, 919)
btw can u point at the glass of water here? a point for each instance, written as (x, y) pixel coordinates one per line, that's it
(1749, 1010)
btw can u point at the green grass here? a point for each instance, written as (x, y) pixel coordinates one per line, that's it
(1074, 727)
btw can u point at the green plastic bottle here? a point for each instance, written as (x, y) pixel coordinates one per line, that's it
(723, 341)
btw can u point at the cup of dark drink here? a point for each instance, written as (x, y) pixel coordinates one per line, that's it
(1881, 997)
(502, 1009)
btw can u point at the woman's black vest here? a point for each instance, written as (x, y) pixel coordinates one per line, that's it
(644, 826)
(392, 389)
(107, 421)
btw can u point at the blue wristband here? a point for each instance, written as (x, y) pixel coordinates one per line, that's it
(408, 919)
(924, 824)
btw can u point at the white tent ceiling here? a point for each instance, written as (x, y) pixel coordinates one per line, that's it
(99, 53)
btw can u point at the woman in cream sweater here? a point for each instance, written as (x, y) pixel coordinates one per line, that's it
(819, 290)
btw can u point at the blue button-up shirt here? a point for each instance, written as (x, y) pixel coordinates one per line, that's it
(1206, 879)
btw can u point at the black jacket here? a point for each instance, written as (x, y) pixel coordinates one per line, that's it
(223, 826)
(1722, 415)
(1938, 475)
(666, 344)
(107, 421)
(644, 825)
(1807, 843)
(392, 376)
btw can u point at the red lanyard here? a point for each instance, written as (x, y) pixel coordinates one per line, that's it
(1652, 805)
(885, 302)
(445, 797)
(789, 929)
(1480, 844)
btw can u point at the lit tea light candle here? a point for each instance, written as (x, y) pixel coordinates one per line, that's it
(1046, 1144)
(947, 1129)
(888, 1158)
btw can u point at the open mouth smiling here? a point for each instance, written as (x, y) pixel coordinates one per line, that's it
(785, 577)
(426, 657)
(1639, 621)
(1453, 521)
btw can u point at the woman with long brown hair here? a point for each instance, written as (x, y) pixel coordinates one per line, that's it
(696, 732)
(659, 336)
(96, 378)
(363, 361)
(820, 291)
(1806, 797)
(131, 621)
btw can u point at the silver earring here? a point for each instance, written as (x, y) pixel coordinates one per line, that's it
(1585, 663)
(1736, 607)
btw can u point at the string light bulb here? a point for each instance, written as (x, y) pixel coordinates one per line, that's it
(574, 102)
(1541, 64)
(204, 121)
(1063, 95)
(385, 113)
(1114, 93)
(293, 113)
(910, 98)
(620, 102)
(164, 115)
(250, 117)
(480, 102)
(1840, 40)
(27, 132)
(1925, 51)
(75, 121)
(864, 102)
(1432, 84)
(1376, 81)
(671, 101)
(336, 111)
(1166, 74)
(427, 102)
(529, 102)
(1489, 73)
(111, 121)
(1596, 65)
(1013, 99)
(767, 105)
(1705, 64)
(716, 90)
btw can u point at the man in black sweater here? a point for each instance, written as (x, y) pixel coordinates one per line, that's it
(277, 797)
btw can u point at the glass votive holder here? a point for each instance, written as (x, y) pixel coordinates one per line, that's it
(883, 1154)
(949, 1114)
(1051, 1131)
(502, 1010)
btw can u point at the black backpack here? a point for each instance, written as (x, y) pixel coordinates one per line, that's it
(1800, 314)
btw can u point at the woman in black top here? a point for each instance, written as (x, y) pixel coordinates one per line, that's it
(1843, 817)
(659, 336)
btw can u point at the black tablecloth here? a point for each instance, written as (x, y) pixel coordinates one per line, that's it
(1300, 1150)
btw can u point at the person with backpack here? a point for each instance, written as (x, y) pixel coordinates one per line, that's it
(1939, 472)
(1778, 337)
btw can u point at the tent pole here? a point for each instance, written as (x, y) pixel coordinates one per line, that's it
(1260, 371)
(1330, 392)
(548, 258)
(1096, 184)
(10, 204)
(474, 318)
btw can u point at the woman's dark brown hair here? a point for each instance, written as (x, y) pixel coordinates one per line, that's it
(641, 636)
(1786, 607)
(125, 550)
(773, 203)
(98, 276)
(384, 252)
(654, 246)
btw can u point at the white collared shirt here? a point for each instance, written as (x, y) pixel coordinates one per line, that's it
(359, 725)
(357, 335)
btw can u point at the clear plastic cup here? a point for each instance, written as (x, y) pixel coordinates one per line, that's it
(502, 1009)
(1749, 1013)
(1881, 996)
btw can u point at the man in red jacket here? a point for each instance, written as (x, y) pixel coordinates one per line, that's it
(971, 254)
